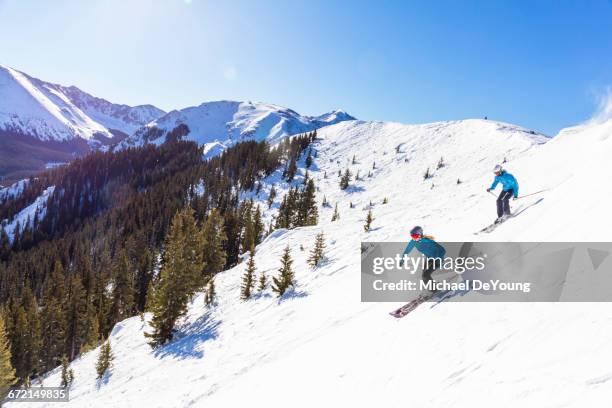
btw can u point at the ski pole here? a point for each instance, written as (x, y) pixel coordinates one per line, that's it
(537, 192)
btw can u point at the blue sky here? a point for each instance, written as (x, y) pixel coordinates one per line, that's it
(540, 64)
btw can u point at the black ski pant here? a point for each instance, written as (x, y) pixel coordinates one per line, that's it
(430, 267)
(503, 202)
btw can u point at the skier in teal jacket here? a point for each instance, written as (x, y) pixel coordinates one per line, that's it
(509, 188)
(428, 247)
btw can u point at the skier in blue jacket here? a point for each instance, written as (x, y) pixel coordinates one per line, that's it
(428, 247)
(509, 188)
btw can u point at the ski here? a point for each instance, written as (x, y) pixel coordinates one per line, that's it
(492, 227)
(422, 298)
(413, 304)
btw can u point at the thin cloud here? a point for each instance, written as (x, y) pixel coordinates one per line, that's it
(604, 107)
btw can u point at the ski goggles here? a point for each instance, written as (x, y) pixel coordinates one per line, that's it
(415, 236)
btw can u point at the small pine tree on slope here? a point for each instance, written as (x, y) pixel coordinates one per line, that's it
(248, 280)
(286, 277)
(317, 252)
(105, 360)
(263, 282)
(336, 214)
(368, 223)
(67, 373)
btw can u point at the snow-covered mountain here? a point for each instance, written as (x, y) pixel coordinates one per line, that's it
(322, 346)
(54, 112)
(219, 124)
(42, 123)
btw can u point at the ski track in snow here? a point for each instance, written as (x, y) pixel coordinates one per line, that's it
(321, 346)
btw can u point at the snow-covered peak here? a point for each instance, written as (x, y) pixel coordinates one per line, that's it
(228, 122)
(335, 116)
(113, 116)
(49, 111)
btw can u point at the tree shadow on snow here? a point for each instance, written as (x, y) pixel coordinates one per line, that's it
(260, 295)
(189, 342)
(292, 294)
(352, 189)
(104, 380)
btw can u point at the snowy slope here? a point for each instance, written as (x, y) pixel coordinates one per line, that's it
(14, 190)
(323, 347)
(221, 123)
(54, 112)
(26, 217)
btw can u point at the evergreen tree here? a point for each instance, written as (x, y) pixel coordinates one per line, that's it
(291, 170)
(143, 277)
(17, 331)
(258, 225)
(309, 214)
(368, 222)
(248, 280)
(105, 360)
(215, 239)
(92, 337)
(67, 375)
(262, 283)
(309, 159)
(286, 277)
(7, 372)
(336, 214)
(317, 251)
(427, 174)
(53, 318)
(345, 180)
(76, 318)
(33, 339)
(180, 276)
(211, 293)
(385, 200)
(271, 196)
(248, 239)
(122, 298)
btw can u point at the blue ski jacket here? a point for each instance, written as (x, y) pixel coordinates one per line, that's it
(427, 246)
(508, 182)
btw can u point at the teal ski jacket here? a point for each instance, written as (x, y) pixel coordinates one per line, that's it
(508, 182)
(427, 246)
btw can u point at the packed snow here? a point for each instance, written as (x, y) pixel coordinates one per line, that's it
(321, 346)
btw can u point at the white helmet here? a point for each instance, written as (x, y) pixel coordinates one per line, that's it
(497, 169)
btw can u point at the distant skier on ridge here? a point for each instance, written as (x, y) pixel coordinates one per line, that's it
(428, 247)
(509, 188)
